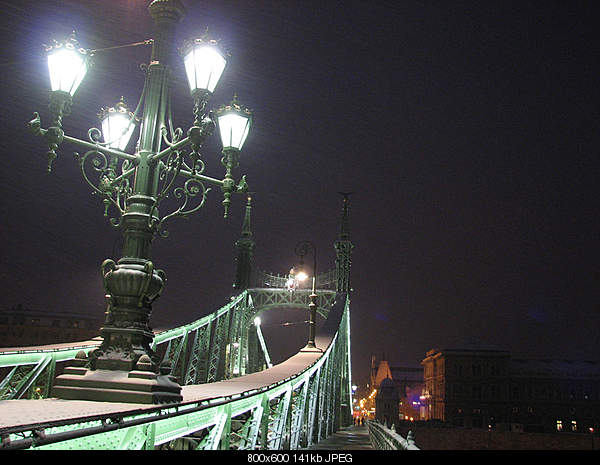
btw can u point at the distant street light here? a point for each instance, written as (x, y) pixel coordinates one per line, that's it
(302, 248)
(125, 368)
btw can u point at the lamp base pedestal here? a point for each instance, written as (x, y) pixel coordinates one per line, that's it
(310, 348)
(139, 387)
(136, 386)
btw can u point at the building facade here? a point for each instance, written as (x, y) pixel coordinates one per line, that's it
(22, 327)
(479, 387)
(387, 402)
(408, 383)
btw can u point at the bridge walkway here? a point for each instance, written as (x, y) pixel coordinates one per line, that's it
(349, 438)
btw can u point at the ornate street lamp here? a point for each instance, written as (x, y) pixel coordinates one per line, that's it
(67, 65)
(118, 124)
(204, 65)
(234, 124)
(302, 248)
(124, 368)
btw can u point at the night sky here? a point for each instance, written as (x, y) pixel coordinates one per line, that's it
(468, 131)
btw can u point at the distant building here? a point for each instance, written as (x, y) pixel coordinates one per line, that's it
(408, 382)
(20, 327)
(475, 386)
(387, 402)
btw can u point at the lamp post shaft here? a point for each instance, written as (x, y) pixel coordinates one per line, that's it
(137, 220)
(133, 283)
(312, 324)
(301, 250)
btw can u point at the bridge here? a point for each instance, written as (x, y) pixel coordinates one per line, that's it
(233, 397)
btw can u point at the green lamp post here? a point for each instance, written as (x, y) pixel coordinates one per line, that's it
(302, 248)
(124, 368)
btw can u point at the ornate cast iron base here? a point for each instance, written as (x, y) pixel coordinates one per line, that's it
(124, 368)
(140, 386)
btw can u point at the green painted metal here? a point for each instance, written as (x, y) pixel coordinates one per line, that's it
(263, 346)
(197, 366)
(343, 249)
(280, 416)
(302, 410)
(32, 371)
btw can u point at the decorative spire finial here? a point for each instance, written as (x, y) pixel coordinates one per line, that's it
(345, 226)
(246, 227)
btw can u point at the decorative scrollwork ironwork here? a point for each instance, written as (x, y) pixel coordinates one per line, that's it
(113, 194)
(175, 136)
(95, 136)
(191, 188)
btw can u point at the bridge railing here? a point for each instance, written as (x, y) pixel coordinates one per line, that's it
(289, 406)
(384, 438)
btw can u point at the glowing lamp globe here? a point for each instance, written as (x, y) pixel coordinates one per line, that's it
(302, 276)
(234, 125)
(117, 126)
(67, 66)
(204, 65)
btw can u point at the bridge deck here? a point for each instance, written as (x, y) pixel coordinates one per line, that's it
(350, 438)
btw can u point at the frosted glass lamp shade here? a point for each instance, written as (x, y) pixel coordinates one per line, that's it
(234, 128)
(117, 126)
(204, 66)
(67, 67)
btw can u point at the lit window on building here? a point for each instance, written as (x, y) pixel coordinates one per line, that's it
(573, 425)
(559, 425)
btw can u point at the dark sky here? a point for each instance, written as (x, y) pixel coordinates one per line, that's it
(468, 131)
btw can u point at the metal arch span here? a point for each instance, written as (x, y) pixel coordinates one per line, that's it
(291, 405)
(266, 298)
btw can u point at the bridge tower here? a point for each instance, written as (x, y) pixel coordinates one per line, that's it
(245, 252)
(251, 358)
(343, 250)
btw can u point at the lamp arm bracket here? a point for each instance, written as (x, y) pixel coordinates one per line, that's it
(176, 146)
(125, 175)
(55, 136)
(201, 178)
(104, 150)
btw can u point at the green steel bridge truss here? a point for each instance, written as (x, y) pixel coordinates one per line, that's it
(289, 406)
